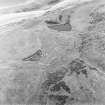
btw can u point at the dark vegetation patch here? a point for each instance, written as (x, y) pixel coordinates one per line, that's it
(59, 85)
(59, 99)
(78, 66)
(53, 78)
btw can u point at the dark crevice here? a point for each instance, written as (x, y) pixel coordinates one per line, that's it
(85, 72)
(52, 2)
(34, 57)
(61, 27)
(49, 22)
(65, 87)
(60, 17)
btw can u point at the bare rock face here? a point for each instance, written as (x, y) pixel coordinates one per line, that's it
(70, 84)
(46, 60)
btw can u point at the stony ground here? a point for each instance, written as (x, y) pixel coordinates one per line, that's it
(43, 65)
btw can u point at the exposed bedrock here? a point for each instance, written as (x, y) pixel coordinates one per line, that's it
(71, 86)
(47, 66)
